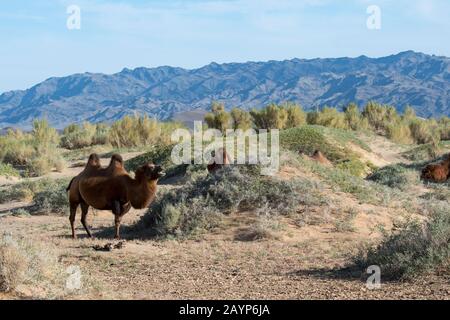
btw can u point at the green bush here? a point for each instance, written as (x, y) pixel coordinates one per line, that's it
(424, 132)
(218, 118)
(379, 116)
(270, 117)
(76, 137)
(424, 152)
(7, 170)
(354, 119)
(331, 142)
(47, 195)
(51, 198)
(354, 166)
(395, 176)
(399, 132)
(329, 117)
(136, 131)
(160, 155)
(36, 151)
(415, 249)
(202, 201)
(308, 139)
(444, 128)
(295, 116)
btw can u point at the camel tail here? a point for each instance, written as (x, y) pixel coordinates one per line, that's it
(70, 184)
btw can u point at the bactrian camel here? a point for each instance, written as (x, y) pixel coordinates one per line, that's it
(112, 188)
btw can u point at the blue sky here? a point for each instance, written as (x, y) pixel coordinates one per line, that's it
(35, 43)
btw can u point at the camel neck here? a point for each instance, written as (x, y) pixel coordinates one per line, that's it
(142, 193)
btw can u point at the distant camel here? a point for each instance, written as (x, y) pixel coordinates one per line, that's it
(220, 159)
(438, 172)
(113, 189)
(92, 168)
(319, 157)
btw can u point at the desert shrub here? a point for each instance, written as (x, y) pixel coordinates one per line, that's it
(218, 118)
(138, 131)
(263, 228)
(424, 132)
(8, 170)
(76, 137)
(295, 116)
(444, 128)
(202, 201)
(354, 119)
(342, 180)
(241, 119)
(25, 264)
(354, 166)
(51, 198)
(395, 176)
(307, 139)
(379, 116)
(399, 132)
(422, 152)
(101, 135)
(135, 131)
(330, 117)
(36, 151)
(160, 155)
(16, 148)
(417, 248)
(439, 192)
(16, 192)
(270, 117)
(48, 195)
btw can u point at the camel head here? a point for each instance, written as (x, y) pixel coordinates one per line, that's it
(93, 161)
(150, 172)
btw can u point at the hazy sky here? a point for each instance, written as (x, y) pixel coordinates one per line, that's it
(36, 44)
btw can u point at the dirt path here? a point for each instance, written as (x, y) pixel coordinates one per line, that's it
(383, 151)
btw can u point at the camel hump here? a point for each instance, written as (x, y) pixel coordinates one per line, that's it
(93, 161)
(116, 160)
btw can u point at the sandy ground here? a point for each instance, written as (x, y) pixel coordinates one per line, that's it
(216, 266)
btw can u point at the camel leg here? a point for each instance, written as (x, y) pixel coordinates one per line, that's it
(84, 212)
(117, 210)
(73, 213)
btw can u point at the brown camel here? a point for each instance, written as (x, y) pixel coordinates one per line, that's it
(93, 167)
(113, 189)
(319, 157)
(438, 172)
(220, 159)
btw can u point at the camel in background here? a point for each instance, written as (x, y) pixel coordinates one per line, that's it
(220, 158)
(437, 172)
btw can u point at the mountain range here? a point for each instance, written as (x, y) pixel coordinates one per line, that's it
(408, 78)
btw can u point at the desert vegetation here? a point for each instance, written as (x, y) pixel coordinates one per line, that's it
(23, 263)
(348, 194)
(384, 120)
